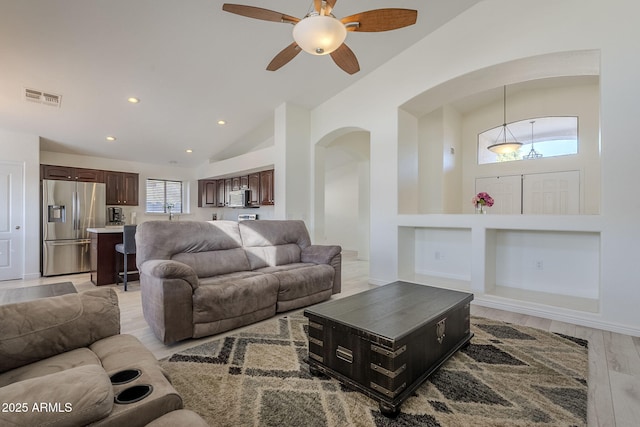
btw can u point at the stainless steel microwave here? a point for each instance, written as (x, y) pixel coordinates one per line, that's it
(239, 198)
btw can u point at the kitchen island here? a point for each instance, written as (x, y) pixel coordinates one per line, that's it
(103, 255)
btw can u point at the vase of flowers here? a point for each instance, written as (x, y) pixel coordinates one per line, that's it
(482, 201)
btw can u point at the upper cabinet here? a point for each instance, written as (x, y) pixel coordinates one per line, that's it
(208, 193)
(253, 182)
(266, 187)
(122, 188)
(221, 193)
(66, 173)
(215, 192)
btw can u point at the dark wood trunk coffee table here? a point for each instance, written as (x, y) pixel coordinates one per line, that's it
(385, 342)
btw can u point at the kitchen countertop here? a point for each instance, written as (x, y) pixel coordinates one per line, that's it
(110, 229)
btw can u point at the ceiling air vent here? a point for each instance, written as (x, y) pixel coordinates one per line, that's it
(41, 97)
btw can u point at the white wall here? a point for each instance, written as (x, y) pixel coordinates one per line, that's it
(25, 149)
(477, 40)
(582, 101)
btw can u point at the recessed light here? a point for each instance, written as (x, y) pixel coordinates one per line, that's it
(133, 100)
(111, 138)
(189, 150)
(222, 122)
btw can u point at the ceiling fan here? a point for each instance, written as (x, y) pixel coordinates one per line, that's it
(321, 33)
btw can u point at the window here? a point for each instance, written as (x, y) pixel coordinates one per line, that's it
(162, 194)
(548, 136)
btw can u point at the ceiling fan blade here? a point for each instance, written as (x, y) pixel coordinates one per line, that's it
(381, 19)
(285, 55)
(258, 13)
(330, 5)
(317, 5)
(345, 59)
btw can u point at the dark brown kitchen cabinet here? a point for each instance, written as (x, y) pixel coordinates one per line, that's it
(266, 187)
(66, 173)
(221, 196)
(208, 193)
(235, 183)
(244, 182)
(122, 188)
(253, 182)
(228, 186)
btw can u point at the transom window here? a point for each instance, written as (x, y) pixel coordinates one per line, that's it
(164, 196)
(546, 137)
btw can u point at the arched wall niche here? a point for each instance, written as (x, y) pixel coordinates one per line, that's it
(446, 120)
(341, 190)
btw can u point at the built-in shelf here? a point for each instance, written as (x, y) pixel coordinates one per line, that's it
(547, 261)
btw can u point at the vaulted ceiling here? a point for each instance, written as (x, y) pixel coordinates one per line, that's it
(189, 63)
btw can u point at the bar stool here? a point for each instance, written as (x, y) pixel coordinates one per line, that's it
(127, 247)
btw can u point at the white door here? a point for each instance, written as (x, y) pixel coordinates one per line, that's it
(553, 193)
(506, 192)
(11, 217)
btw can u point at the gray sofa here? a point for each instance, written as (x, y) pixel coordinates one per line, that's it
(57, 359)
(202, 278)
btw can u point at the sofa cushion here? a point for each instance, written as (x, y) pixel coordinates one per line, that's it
(234, 297)
(284, 267)
(163, 239)
(274, 232)
(75, 397)
(213, 263)
(59, 362)
(266, 256)
(64, 323)
(300, 282)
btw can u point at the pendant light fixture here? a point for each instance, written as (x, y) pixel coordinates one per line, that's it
(501, 144)
(533, 154)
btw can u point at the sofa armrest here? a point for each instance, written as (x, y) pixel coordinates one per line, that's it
(166, 288)
(37, 329)
(319, 254)
(326, 254)
(76, 396)
(168, 269)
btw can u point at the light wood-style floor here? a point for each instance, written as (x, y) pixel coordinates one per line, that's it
(614, 359)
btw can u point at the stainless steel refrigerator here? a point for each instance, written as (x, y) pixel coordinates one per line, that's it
(68, 209)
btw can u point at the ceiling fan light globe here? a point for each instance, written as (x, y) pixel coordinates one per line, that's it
(319, 34)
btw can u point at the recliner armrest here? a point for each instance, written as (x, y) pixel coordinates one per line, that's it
(319, 254)
(168, 269)
(41, 328)
(76, 396)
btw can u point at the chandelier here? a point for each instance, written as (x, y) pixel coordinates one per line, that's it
(501, 144)
(533, 154)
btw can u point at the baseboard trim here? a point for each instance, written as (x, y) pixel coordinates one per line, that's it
(556, 315)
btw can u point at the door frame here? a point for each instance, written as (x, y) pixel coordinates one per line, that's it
(16, 218)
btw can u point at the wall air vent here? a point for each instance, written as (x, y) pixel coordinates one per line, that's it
(46, 98)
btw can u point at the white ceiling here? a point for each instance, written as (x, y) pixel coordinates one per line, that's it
(189, 62)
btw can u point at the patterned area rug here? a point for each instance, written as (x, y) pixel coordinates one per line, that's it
(509, 376)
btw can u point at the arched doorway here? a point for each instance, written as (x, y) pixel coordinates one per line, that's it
(342, 191)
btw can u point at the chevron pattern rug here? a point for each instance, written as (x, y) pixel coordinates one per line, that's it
(509, 376)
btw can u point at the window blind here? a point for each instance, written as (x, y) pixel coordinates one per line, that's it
(161, 194)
